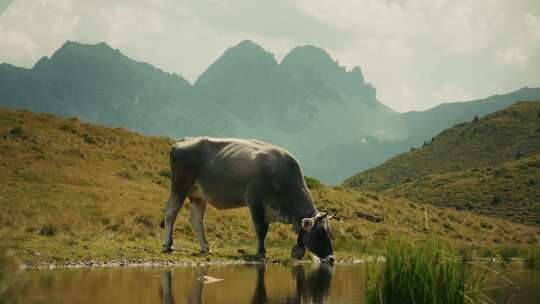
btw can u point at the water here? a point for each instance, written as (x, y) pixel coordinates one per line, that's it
(309, 283)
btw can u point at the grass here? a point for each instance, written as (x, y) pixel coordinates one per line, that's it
(424, 273)
(64, 198)
(532, 260)
(490, 166)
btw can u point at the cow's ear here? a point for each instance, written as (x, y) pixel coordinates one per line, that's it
(307, 224)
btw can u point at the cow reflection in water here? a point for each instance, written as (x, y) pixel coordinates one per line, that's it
(311, 287)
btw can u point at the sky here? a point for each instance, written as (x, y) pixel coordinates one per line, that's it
(417, 53)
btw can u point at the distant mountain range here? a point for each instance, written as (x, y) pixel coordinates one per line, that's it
(329, 117)
(489, 165)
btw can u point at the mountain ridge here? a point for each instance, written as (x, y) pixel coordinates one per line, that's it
(307, 103)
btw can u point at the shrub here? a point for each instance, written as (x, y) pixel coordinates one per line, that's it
(313, 183)
(89, 139)
(424, 273)
(48, 230)
(495, 200)
(507, 253)
(17, 132)
(165, 173)
(68, 128)
(532, 259)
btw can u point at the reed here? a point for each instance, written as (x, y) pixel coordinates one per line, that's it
(424, 273)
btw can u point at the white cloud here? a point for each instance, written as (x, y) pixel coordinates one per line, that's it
(416, 52)
(513, 56)
(450, 92)
(16, 46)
(533, 26)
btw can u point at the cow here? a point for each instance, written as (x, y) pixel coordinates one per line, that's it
(232, 173)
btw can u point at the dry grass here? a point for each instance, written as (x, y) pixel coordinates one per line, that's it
(71, 191)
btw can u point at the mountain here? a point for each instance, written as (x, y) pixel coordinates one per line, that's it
(327, 116)
(75, 191)
(306, 103)
(422, 126)
(296, 103)
(426, 124)
(489, 165)
(99, 84)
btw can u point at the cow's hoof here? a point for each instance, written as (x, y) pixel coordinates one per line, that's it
(167, 249)
(298, 252)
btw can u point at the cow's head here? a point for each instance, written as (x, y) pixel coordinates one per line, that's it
(316, 236)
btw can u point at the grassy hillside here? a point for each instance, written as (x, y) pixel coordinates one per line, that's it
(474, 165)
(510, 190)
(72, 191)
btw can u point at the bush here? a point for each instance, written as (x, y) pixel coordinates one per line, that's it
(89, 139)
(424, 273)
(313, 183)
(165, 173)
(17, 132)
(507, 253)
(532, 260)
(48, 230)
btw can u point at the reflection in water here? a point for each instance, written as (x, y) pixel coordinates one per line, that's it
(306, 283)
(313, 287)
(165, 293)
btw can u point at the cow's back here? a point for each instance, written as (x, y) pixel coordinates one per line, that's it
(225, 169)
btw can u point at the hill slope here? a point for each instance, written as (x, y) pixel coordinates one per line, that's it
(345, 160)
(74, 191)
(493, 144)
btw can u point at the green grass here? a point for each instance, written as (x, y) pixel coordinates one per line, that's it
(532, 259)
(472, 166)
(423, 273)
(64, 198)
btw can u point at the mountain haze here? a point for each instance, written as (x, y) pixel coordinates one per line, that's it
(306, 103)
(327, 116)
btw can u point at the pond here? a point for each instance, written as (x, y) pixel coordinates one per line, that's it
(274, 283)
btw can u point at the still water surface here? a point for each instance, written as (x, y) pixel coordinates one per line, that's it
(308, 283)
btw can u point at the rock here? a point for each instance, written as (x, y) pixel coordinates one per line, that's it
(208, 279)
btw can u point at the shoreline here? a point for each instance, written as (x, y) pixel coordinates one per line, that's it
(191, 263)
(167, 263)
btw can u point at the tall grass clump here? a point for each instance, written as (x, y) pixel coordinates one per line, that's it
(532, 259)
(423, 273)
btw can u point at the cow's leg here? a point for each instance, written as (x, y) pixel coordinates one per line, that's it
(198, 207)
(176, 200)
(261, 228)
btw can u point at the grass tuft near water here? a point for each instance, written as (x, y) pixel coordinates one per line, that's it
(425, 272)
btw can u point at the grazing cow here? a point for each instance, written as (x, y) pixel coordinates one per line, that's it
(232, 173)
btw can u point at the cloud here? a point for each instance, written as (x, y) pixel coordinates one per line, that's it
(533, 26)
(417, 53)
(450, 92)
(513, 56)
(16, 46)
